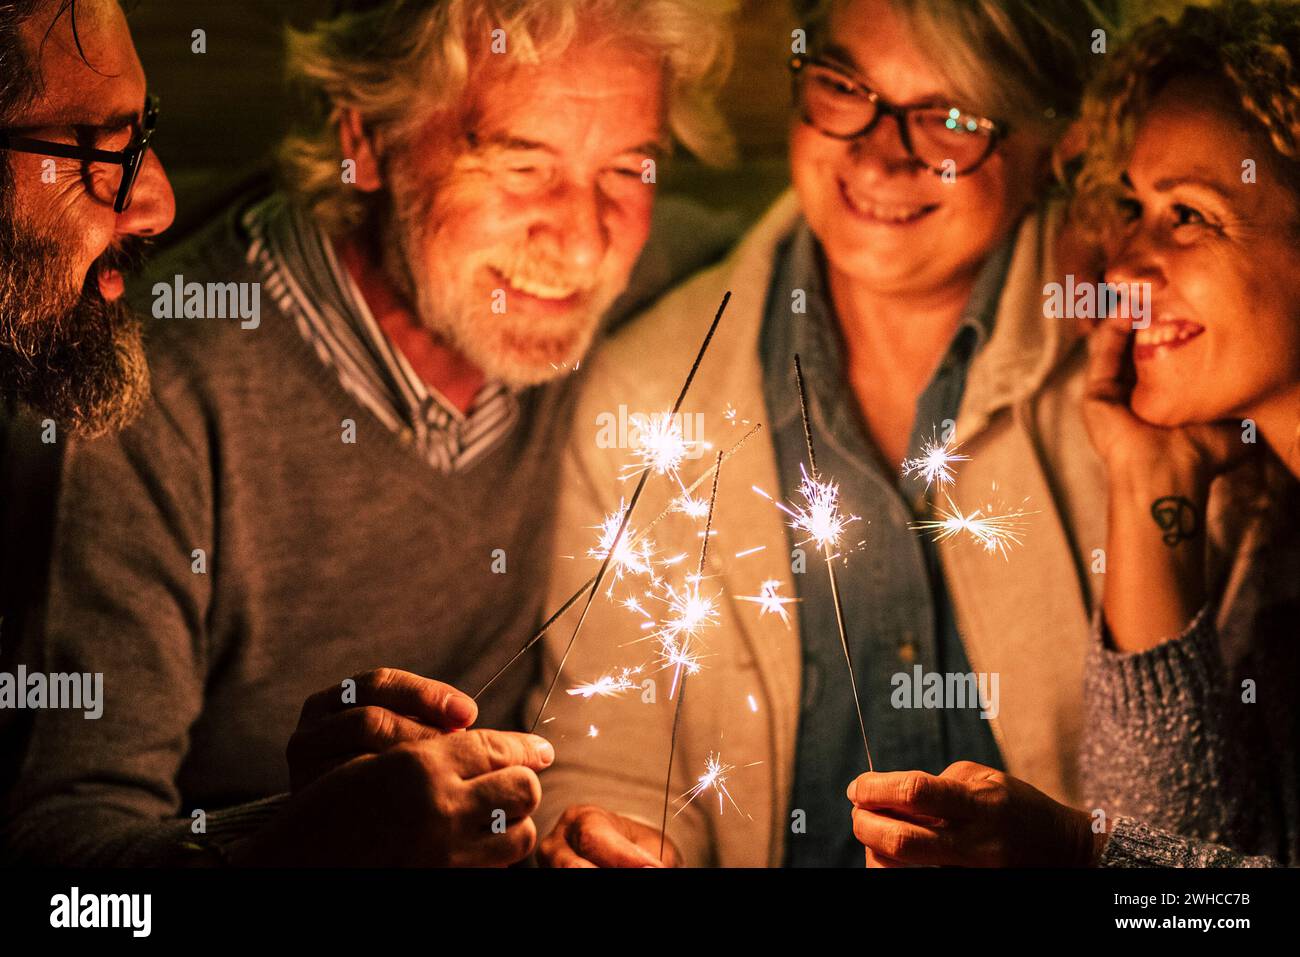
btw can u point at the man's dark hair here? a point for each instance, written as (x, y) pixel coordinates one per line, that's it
(20, 76)
(17, 72)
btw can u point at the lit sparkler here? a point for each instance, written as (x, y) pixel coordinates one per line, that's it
(819, 517)
(696, 612)
(935, 463)
(632, 555)
(995, 530)
(607, 686)
(771, 603)
(714, 778)
(569, 602)
(825, 524)
(627, 515)
(661, 445)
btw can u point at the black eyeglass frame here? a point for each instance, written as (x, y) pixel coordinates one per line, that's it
(131, 159)
(995, 130)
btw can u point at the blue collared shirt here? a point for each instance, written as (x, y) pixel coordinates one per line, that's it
(896, 607)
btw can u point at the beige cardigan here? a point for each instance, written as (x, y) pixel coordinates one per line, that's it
(1026, 618)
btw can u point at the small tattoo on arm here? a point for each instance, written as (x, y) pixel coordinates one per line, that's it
(1177, 518)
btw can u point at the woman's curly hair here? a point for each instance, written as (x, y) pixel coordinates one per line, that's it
(1251, 46)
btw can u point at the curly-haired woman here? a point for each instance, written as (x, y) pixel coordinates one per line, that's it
(1192, 177)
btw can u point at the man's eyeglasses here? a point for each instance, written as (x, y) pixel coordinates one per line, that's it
(940, 138)
(130, 159)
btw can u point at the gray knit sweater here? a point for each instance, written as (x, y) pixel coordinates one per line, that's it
(1192, 748)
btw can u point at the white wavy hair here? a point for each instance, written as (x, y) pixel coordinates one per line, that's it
(400, 62)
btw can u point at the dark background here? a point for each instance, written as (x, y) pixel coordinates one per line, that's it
(224, 111)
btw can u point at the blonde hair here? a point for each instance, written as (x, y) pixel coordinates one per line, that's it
(401, 62)
(1024, 62)
(1252, 48)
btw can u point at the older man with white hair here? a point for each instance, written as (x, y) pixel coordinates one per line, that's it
(359, 482)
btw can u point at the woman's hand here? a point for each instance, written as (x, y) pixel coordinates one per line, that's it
(1127, 445)
(969, 816)
(1159, 483)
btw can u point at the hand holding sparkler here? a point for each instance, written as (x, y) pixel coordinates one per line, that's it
(969, 816)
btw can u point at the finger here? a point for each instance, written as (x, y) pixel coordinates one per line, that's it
(879, 860)
(432, 702)
(499, 850)
(911, 793)
(898, 840)
(368, 730)
(515, 790)
(556, 852)
(1107, 352)
(483, 751)
(597, 837)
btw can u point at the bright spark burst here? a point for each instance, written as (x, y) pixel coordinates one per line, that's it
(679, 655)
(935, 463)
(993, 529)
(630, 556)
(632, 604)
(592, 731)
(690, 611)
(819, 517)
(770, 601)
(661, 447)
(691, 507)
(714, 778)
(607, 686)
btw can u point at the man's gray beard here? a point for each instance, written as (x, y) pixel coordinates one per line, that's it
(67, 354)
(433, 307)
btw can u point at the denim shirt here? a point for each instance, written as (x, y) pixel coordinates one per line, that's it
(897, 611)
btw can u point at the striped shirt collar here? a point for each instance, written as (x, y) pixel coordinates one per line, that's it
(304, 278)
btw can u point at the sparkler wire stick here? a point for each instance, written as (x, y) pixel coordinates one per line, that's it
(830, 565)
(681, 692)
(627, 515)
(637, 538)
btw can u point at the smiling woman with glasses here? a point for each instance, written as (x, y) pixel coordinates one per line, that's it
(118, 186)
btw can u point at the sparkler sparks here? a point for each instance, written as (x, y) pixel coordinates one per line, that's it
(695, 508)
(607, 686)
(935, 463)
(661, 445)
(771, 603)
(689, 612)
(995, 530)
(632, 555)
(627, 515)
(714, 778)
(819, 517)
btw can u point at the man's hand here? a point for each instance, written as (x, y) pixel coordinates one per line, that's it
(391, 707)
(969, 816)
(452, 800)
(587, 836)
